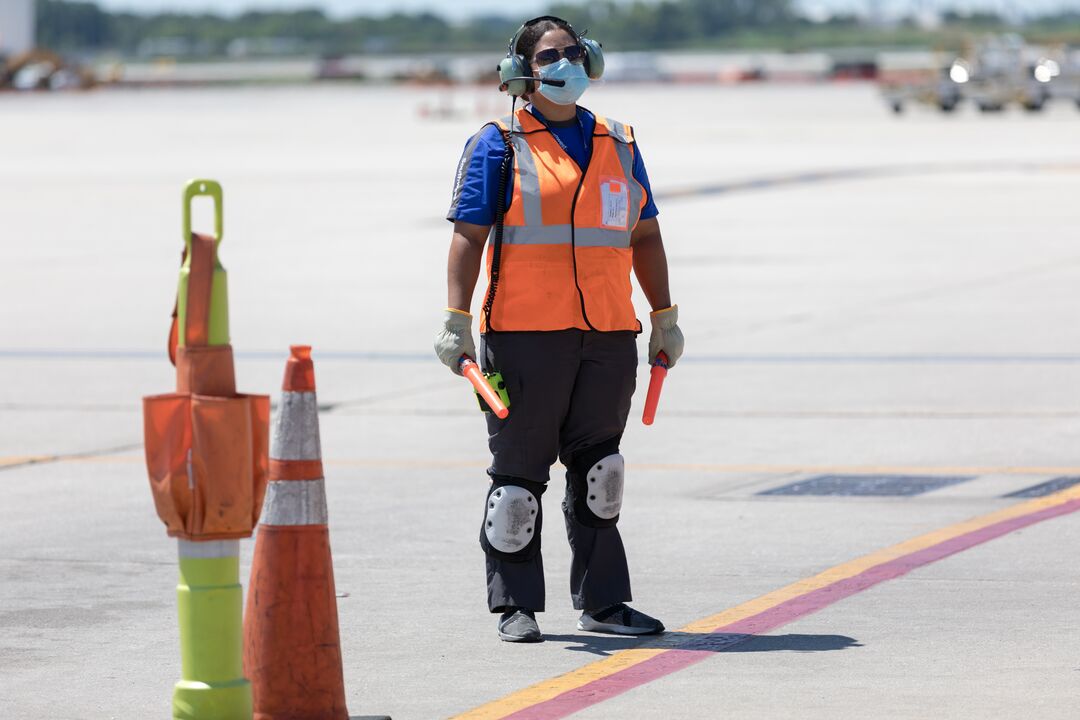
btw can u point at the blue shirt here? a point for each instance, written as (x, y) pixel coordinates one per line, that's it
(477, 180)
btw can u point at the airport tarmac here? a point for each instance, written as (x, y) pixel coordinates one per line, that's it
(880, 316)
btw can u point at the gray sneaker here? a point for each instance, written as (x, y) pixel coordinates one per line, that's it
(519, 625)
(620, 619)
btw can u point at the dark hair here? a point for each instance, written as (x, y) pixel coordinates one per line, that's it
(530, 36)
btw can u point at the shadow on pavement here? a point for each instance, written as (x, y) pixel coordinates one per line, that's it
(705, 642)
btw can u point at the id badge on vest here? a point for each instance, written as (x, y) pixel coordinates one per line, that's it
(614, 203)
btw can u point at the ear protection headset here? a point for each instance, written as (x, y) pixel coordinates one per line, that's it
(515, 71)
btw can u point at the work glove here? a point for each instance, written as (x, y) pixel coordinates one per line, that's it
(455, 339)
(666, 335)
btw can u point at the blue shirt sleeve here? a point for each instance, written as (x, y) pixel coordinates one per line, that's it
(477, 180)
(649, 211)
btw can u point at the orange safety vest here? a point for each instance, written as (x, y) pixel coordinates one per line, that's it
(566, 256)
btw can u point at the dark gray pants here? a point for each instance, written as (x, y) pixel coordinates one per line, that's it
(570, 393)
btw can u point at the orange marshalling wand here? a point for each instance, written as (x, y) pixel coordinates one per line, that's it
(656, 384)
(472, 373)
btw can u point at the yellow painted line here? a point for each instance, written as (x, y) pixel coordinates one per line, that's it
(860, 565)
(548, 689)
(23, 459)
(543, 691)
(104, 459)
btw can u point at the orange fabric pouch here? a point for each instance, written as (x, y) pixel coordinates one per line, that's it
(207, 457)
(207, 447)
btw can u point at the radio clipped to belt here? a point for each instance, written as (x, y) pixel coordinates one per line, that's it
(489, 387)
(496, 382)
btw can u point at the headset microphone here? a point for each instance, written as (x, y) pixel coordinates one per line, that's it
(543, 81)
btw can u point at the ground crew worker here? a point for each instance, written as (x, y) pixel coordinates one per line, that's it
(557, 322)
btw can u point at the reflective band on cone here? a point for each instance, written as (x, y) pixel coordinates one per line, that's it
(295, 502)
(296, 428)
(292, 647)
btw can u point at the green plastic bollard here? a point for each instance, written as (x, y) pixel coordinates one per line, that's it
(219, 295)
(209, 597)
(210, 604)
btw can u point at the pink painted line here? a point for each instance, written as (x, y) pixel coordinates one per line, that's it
(786, 612)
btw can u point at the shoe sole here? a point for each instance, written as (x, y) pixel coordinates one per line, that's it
(617, 629)
(506, 637)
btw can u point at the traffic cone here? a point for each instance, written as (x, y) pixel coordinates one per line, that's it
(292, 649)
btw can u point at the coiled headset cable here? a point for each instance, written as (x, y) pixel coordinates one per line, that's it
(500, 215)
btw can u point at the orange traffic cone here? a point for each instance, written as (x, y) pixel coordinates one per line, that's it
(292, 649)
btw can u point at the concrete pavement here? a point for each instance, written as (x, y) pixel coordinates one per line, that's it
(918, 321)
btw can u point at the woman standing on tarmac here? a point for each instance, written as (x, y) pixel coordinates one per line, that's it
(561, 198)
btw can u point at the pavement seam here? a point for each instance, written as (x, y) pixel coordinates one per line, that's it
(872, 172)
(849, 358)
(115, 455)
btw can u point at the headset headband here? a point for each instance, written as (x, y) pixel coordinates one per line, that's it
(511, 49)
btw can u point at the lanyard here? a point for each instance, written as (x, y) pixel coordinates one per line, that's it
(586, 138)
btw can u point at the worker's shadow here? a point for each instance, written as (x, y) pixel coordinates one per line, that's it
(705, 642)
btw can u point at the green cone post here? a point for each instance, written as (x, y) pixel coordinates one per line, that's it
(210, 604)
(219, 295)
(209, 596)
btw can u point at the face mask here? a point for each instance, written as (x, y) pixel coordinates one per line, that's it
(577, 82)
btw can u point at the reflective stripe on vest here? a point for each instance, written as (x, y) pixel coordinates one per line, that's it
(542, 243)
(560, 235)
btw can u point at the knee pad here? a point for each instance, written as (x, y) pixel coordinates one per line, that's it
(512, 519)
(596, 487)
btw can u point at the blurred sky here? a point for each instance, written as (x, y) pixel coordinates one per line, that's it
(465, 8)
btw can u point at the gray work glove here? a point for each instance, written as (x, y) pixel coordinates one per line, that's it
(455, 339)
(666, 335)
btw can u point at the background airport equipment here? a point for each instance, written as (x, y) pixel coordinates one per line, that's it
(993, 73)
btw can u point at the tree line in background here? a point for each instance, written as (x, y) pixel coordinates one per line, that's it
(670, 24)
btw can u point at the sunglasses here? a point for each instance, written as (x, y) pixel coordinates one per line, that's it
(573, 53)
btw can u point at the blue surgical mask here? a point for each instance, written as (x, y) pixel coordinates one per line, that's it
(577, 82)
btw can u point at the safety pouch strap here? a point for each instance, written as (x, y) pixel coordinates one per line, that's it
(200, 282)
(174, 327)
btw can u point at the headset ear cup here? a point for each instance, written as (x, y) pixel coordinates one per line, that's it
(513, 66)
(594, 58)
